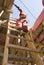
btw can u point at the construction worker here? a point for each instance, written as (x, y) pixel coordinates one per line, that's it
(21, 23)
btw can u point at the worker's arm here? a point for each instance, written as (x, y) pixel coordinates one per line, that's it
(18, 8)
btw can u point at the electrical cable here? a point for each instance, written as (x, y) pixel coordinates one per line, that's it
(27, 9)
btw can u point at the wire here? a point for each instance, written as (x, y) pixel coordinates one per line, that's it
(28, 9)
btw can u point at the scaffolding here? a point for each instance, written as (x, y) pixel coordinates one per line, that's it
(23, 52)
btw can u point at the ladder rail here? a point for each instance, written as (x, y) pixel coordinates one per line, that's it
(35, 55)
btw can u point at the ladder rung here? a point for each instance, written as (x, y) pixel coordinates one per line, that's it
(23, 48)
(12, 25)
(14, 29)
(17, 57)
(20, 58)
(12, 21)
(10, 64)
(26, 39)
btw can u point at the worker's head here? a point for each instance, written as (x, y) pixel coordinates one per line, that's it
(22, 16)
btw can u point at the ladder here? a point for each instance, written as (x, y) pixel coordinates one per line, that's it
(22, 60)
(10, 33)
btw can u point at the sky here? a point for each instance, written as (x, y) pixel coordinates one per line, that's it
(33, 6)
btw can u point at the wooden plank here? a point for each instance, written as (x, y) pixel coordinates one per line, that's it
(15, 29)
(23, 48)
(5, 2)
(26, 39)
(5, 57)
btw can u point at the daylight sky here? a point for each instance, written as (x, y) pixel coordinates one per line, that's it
(34, 6)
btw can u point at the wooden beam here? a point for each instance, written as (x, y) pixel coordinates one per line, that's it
(5, 2)
(13, 29)
(9, 11)
(15, 57)
(23, 48)
(14, 36)
(35, 56)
